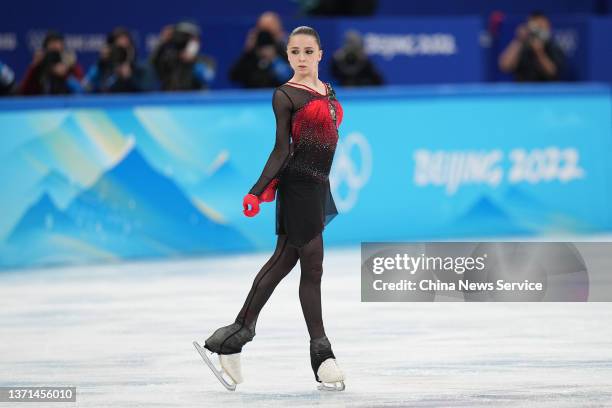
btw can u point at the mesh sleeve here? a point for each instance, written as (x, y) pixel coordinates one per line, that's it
(281, 152)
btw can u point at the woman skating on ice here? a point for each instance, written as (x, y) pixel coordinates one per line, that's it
(297, 172)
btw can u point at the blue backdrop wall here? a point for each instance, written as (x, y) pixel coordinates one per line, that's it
(105, 178)
(408, 45)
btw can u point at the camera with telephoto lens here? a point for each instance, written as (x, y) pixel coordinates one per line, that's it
(50, 59)
(350, 57)
(180, 39)
(118, 55)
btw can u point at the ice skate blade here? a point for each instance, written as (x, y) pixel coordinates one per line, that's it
(218, 373)
(338, 386)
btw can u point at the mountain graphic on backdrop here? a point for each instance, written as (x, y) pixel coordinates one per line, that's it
(517, 197)
(61, 190)
(131, 210)
(71, 149)
(62, 155)
(42, 216)
(44, 236)
(484, 215)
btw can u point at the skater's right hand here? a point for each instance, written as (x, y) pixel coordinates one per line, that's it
(252, 201)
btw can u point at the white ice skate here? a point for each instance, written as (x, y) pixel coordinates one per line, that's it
(230, 365)
(332, 378)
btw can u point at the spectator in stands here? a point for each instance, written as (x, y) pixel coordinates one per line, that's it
(351, 65)
(177, 62)
(117, 69)
(270, 22)
(7, 80)
(54, 70)
(263, 66)
(533, 55)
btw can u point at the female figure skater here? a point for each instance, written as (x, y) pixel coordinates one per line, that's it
(307, 119)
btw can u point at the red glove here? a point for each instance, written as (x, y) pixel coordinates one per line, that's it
(269, 193)
(253, 201)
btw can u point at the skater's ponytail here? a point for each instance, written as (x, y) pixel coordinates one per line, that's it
(307, 31)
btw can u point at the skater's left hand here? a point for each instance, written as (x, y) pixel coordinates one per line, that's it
(270, 192)
(252, 201)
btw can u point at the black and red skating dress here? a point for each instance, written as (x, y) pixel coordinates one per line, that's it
(306, 136)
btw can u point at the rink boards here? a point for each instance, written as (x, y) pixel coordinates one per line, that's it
(109, 178)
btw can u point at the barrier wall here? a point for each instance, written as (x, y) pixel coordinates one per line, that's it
(108, 178)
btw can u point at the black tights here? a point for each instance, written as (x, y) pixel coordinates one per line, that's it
(281, 262)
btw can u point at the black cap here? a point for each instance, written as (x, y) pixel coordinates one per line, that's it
(188, 27)
(118, 32)
(52, 35)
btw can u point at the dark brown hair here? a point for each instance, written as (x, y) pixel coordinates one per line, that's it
(306, 31)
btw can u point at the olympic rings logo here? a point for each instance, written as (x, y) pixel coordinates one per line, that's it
(346, 177)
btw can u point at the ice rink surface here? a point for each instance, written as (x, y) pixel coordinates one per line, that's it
(122, 335)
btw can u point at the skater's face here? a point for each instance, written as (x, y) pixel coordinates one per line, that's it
(304, 54)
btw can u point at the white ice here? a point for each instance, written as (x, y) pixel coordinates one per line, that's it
(122, 335)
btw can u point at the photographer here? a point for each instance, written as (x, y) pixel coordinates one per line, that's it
(533, 55)
(117, 69)
(263, 66)
(54, 70)
(271, 22)
(177, 61)
(351, 66)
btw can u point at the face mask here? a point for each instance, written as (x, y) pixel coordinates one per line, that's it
(192, 48)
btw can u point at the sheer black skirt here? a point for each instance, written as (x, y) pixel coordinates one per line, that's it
(303, 208)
